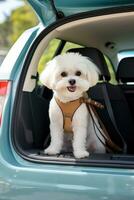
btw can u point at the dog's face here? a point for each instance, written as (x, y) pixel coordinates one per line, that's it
(69, 75)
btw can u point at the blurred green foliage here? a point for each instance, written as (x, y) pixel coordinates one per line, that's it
(14, 25)
(111, 71)
(21, 19)
(50, 52)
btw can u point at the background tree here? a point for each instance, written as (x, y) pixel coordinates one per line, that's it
(5, 31)
(14, 25)
(21, 19)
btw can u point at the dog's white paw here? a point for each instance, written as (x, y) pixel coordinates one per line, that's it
(51, 151)
(81, 154)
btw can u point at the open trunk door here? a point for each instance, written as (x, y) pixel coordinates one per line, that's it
(49, 11)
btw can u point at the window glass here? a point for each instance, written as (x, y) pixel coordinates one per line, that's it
(48, 54)
(70, 45)
(111, 71)
(124, 54)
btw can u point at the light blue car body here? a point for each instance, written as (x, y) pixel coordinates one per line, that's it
(25, 180)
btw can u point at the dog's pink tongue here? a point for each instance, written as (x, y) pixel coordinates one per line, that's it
(71, 88)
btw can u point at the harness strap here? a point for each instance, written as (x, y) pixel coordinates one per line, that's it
(68, 109)
(110, 145)
(91, 102)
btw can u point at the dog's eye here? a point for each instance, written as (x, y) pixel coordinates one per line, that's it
(78, 73)
(64, 74)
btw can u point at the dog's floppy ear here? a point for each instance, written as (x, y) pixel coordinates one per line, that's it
(46, 77)
(92, 73)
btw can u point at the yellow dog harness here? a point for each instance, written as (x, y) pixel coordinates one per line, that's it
(68, 109)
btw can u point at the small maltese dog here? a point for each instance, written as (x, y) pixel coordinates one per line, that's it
(69, 76)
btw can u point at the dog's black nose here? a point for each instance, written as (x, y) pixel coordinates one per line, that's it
(72, 81)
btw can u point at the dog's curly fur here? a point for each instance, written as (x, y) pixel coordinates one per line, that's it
(57, 76)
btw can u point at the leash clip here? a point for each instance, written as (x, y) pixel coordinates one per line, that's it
(92, 102)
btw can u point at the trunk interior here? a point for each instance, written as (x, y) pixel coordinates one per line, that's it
(31, 134)
(33, 138)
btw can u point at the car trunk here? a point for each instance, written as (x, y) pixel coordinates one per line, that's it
(32, 135)
(30, 127)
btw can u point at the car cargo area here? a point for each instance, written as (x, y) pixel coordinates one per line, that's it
(30, 129)
(33, 128)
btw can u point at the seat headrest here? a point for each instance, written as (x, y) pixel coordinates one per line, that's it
(97, 57)
(125, 71)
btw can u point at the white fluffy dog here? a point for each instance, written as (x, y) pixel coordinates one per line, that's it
(69, 76)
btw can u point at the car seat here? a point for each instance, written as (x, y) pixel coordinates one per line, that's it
(120, 126)
(125, 78)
